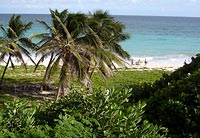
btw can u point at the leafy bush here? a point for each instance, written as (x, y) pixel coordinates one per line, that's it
(18, 115)
(106, 112)
(173, 101)
(176, 106)
(68, 126)
(119, 118)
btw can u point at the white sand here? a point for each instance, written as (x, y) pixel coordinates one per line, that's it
(155, 66)
(169, 65)
(137, 64)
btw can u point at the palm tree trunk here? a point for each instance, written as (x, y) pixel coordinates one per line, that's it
(90, 75)
(92, 72)
(59, 91)
(4, 72)
(46, 72)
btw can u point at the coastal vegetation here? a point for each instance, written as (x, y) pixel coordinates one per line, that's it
(83, 51)
(81, 44)
(13, 44)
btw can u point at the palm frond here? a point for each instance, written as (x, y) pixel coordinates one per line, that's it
(39, 36)
(98, 41)
(12, 33)
(6, 49)
(75, 52)
(3, 29)
(27, 43)
(45, 48)
(116, 48)
(68, 36)
(3, 55)
(19, 57)
(27, 26)
(28, 54)
(3, 41)
(47, 27)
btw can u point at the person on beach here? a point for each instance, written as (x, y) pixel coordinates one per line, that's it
(138, 62)
(132, 62)
(145, 62)
(185, 62)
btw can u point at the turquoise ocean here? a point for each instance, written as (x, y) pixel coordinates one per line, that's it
(168, 40)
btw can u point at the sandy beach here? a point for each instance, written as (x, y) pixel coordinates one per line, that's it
(143, 64)
(136, 63)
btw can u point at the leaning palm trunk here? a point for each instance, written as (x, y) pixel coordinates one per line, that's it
(47, 72)
(86, 81)
(59, 91)
(5, 70)
(64, 76)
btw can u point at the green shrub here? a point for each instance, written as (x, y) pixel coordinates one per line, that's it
(119, 118)
(77, 104)
(173, 101)
(67, 126)
(104, 113)
(107, 113)
(18, 115)
(176, 106)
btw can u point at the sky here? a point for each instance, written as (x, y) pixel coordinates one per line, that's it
(187, 8)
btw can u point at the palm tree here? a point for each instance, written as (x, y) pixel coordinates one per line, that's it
(77, 47)
(51, 43)
(60, 46)
(14, 43)
(69, 52)
(109, 33)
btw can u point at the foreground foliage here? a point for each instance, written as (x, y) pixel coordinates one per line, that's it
(174, 100)
(102, 114)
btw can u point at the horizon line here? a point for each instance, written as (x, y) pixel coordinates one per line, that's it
(114, 15)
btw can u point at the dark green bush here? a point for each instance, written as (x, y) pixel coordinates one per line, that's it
(107, 113)
(67, 126)
(18, 116)
(177, 106)
(104, 113)
(173, 101)
(119, 118)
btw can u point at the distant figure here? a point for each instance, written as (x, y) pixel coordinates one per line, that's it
(138, 62)
(145, 62)
(185, 62)
(132, 61)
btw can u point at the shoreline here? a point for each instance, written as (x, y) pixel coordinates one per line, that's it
(170, 64)
(142, 66)
(135, 63)
(165, 62)
(138, 65)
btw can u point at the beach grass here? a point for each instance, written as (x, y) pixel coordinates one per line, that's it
(125, 78)
(122, 78)
(20, 76)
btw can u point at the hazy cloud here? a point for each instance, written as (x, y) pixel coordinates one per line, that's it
(135, 7)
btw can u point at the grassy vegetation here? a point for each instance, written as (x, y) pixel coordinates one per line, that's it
(19, 76)
(125, 78)
(122, 78)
